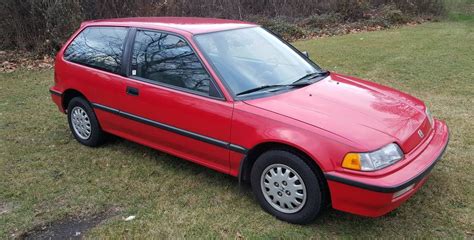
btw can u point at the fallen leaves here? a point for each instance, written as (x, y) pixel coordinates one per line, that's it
(10, 61)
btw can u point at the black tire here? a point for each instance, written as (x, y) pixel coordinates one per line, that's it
(97, 136)
(314, 196)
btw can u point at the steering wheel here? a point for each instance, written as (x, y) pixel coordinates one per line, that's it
(271, 64)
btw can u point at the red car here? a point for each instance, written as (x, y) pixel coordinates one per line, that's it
(234, 97)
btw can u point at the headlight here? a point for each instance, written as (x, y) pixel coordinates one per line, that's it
(430, 117)
(375, 160)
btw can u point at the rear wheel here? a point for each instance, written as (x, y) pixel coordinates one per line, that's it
(83, 123)
(286, 187)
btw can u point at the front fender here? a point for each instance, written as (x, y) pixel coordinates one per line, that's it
(252, 127)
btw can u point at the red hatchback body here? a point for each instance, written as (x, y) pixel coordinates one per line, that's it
(214, 92)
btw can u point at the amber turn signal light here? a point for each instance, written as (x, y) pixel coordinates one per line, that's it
(352, 161)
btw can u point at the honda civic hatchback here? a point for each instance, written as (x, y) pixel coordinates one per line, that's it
(234, 97)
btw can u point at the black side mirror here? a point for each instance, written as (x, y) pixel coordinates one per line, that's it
(306, 54)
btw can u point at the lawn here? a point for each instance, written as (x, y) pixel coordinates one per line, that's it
(46, 176)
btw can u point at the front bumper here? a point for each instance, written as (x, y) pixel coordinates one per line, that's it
(375, 196)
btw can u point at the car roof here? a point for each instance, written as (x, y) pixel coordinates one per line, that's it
(191, 25)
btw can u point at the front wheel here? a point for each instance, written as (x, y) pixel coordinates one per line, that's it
(286, 187)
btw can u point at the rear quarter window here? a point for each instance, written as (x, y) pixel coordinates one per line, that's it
(98, 47)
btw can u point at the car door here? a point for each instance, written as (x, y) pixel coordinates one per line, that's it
(95, 69)
(172, 102)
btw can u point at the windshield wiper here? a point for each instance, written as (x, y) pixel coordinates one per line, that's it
(260, 88)
(307, 79)
(303, 81)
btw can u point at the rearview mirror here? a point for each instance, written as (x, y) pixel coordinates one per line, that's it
(306, 54)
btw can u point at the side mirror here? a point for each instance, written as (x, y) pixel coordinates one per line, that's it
(306, 54)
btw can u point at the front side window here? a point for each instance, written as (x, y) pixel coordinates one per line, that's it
(164, 58)
(98, 47)
(253, 58)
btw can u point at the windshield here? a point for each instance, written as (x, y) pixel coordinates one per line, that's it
(251, 58)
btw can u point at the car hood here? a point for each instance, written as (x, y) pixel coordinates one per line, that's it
(363, 112)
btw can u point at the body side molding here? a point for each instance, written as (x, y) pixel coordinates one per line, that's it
(186, 133)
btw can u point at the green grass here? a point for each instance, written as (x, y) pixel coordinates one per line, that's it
(45, 175)
(460, 10)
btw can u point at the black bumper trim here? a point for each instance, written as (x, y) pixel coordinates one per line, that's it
(391, 189)
(55, 92)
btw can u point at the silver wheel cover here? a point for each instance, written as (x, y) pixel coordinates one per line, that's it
(283, 188)
(81, 123)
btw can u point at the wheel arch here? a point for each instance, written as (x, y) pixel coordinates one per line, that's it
(252, 155)
(68, 95)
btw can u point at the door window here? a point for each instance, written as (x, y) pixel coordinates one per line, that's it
(168, 59)
(98, 47)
